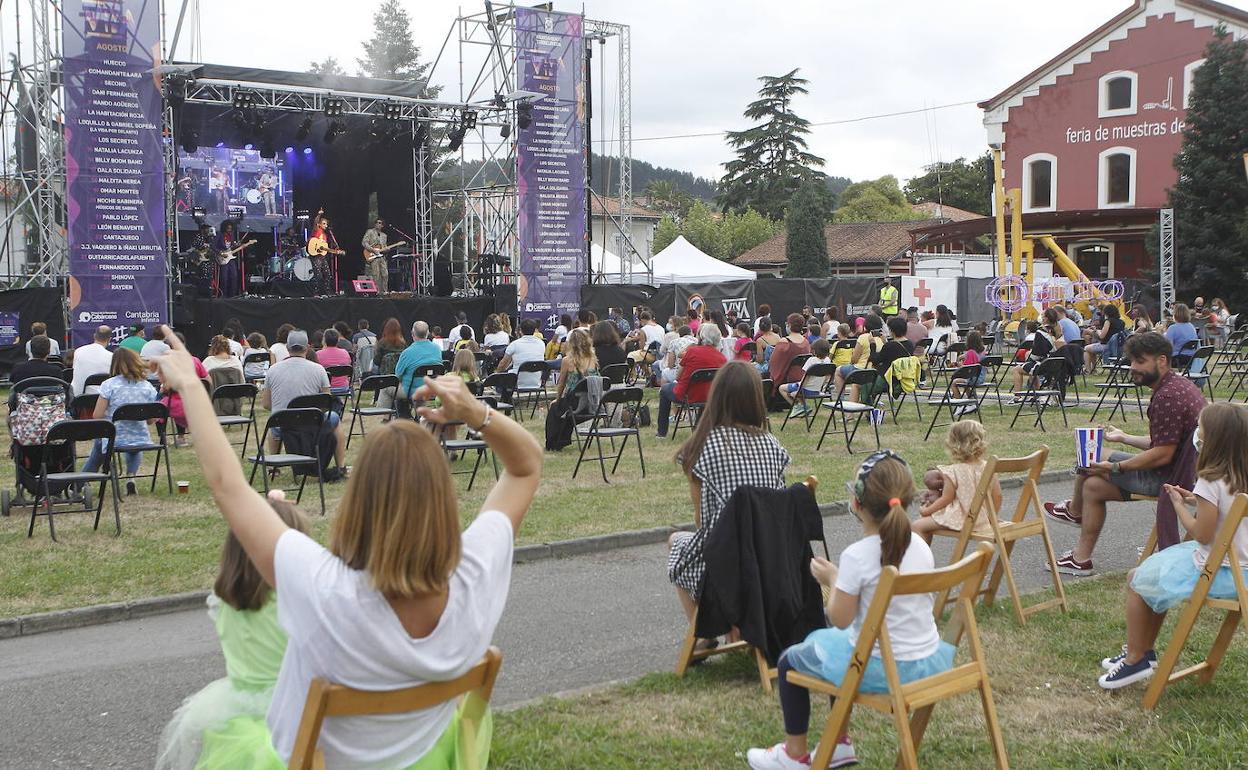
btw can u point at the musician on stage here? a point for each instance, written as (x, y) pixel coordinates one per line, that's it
(266, 183)
(291, 244)
(218, 185)
(376, 265)
(322, 277)
(229, 275)
(199, 270)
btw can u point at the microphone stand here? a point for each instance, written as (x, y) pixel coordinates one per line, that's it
(329, 231)
(411, 278)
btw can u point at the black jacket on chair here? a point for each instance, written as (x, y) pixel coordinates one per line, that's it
(758, 569)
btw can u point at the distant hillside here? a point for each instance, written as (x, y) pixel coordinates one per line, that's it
(607, 178)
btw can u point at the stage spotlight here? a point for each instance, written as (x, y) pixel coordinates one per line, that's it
(190, 141)
(302, 215)
(455, 139)
(422, 135)
(244, 99)
(393, 111)
(305, 128)
(235, 212)
(175, 89)
(524, 115)
(331, 133)
(198, 213)
(469, 119)
(220, 144)
(307, 150)
(505, 130)
(334, 107)
(249, 146)
(378, 128)
(267, 149)
(290, 150)
(499, 101)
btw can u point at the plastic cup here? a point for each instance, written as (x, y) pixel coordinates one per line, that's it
(1088, 444)
(184, 487)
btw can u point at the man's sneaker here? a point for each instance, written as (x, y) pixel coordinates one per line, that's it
(1124, 673)
(843, 755)
(1109, 663)
(958, 412)
(1060, 513)
(130, 489)
(775, 758)
(1067, 565)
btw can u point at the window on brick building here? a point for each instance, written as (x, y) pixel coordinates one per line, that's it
(1117, 94)
(1040, 182)
(1117, 177)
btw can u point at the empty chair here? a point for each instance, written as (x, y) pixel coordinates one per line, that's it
(244, 395)
(869, 392)
(619, 405)
(374, 385)
(49, 482)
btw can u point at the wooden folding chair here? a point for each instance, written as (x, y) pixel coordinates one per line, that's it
(335, 700)
(1006, 533)
(919, 696)
(1221, 549)
(688, 655)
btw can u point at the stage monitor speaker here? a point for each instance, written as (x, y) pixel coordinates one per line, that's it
(442, 279)
(365, 287)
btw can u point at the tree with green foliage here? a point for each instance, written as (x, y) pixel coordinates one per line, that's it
(666, 232)
(1210, 199)
(773, 158)
(702, 229)
(328, 66)
(744, 231)
(668, 198)
(390, 51)
(961, 184)
(876, 200)
(806, 246)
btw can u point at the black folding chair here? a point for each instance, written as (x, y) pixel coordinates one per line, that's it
(459, 447)
(1197, 368)
(640, 369)
(534, 394)
(965, 376)
(253, 359)
(1048, 375)
(868, 382)
(501, 385)
(154, 410)
(691, 409)
(95, 380)
(341, 370)
(618, 405)
(49, 483)
(322, 401)
(1119, 384)
(404, 406)
(83, 407)
(287, 421)
(67, 374)
(374, 384)
(993, 365)
(615, 374)
(819, 378)
(940, 366)
(244, 392)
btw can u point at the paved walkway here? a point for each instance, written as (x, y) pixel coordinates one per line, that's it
(99, 696)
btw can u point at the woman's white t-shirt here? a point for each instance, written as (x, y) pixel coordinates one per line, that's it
(1219, 493)
(911, 625)
(344, 630)
(279, 352)
(494, 339)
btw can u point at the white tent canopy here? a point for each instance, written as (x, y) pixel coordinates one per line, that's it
(682, 262)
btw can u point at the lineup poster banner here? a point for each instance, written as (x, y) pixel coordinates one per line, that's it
(115, 177)
(550, 165)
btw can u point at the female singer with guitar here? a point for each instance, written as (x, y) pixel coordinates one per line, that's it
(229, 269)
(320, 245)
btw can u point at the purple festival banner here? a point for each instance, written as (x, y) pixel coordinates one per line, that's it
(550, 160)
(113, 166)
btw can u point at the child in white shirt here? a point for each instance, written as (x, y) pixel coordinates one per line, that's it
(811, 387)
(881, 494)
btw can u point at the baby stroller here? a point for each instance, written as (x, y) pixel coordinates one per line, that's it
(36, 403)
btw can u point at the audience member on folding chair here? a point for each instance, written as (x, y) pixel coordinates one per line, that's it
(974, 355)
(731, 447)
(127, 384)
(1168, 577)
(881, 493)
(967, 444)
(810, 386)
(704, 355)
(1046, 339)
(1167, 456)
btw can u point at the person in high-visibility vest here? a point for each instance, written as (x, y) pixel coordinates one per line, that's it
(888, 298)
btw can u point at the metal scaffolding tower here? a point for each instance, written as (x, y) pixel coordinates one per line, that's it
(1166, 255)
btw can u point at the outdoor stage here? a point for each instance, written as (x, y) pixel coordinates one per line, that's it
(202, 318)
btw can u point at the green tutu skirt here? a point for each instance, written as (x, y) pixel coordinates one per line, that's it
(244, 744)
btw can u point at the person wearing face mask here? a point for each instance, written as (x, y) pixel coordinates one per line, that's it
(1167, 456)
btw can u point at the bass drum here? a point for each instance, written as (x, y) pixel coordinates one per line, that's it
(253, 195)
(300, 268)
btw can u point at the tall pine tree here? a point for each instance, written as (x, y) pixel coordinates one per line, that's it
(1210, 200)
(806, 246)
(772, 157)
(390, 52)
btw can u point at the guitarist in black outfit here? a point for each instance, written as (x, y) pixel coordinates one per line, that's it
(229, 275)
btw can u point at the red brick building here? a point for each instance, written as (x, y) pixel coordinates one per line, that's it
(1090, 136)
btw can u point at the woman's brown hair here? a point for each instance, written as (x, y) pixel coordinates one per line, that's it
(1224, 445)
(605, 333)
(239, 583)
(736, 400)
(219, 344)
(887, 491)
(1181, 314)
(401, 527)
(392, 334)
(127, 363)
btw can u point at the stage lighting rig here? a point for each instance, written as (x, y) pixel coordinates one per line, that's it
(305, 128)
(199, 213)
(504, 130)
(334, 107)
(190, 141)
(524, 115)
(455, 138)
(175, 89)
(393, 111)
(331, 133)
(268, 149)
(468, 120)
(235, 212)
(302, 215)
(245, 99)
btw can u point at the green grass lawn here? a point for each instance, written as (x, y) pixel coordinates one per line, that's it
(171, 544)
(1053, 714)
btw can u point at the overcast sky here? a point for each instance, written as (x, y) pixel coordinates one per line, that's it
(695, 64)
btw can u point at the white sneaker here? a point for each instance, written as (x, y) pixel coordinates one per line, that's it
(776, 758)
(843, 755)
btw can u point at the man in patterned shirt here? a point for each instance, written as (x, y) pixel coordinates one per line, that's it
(1168, 456)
